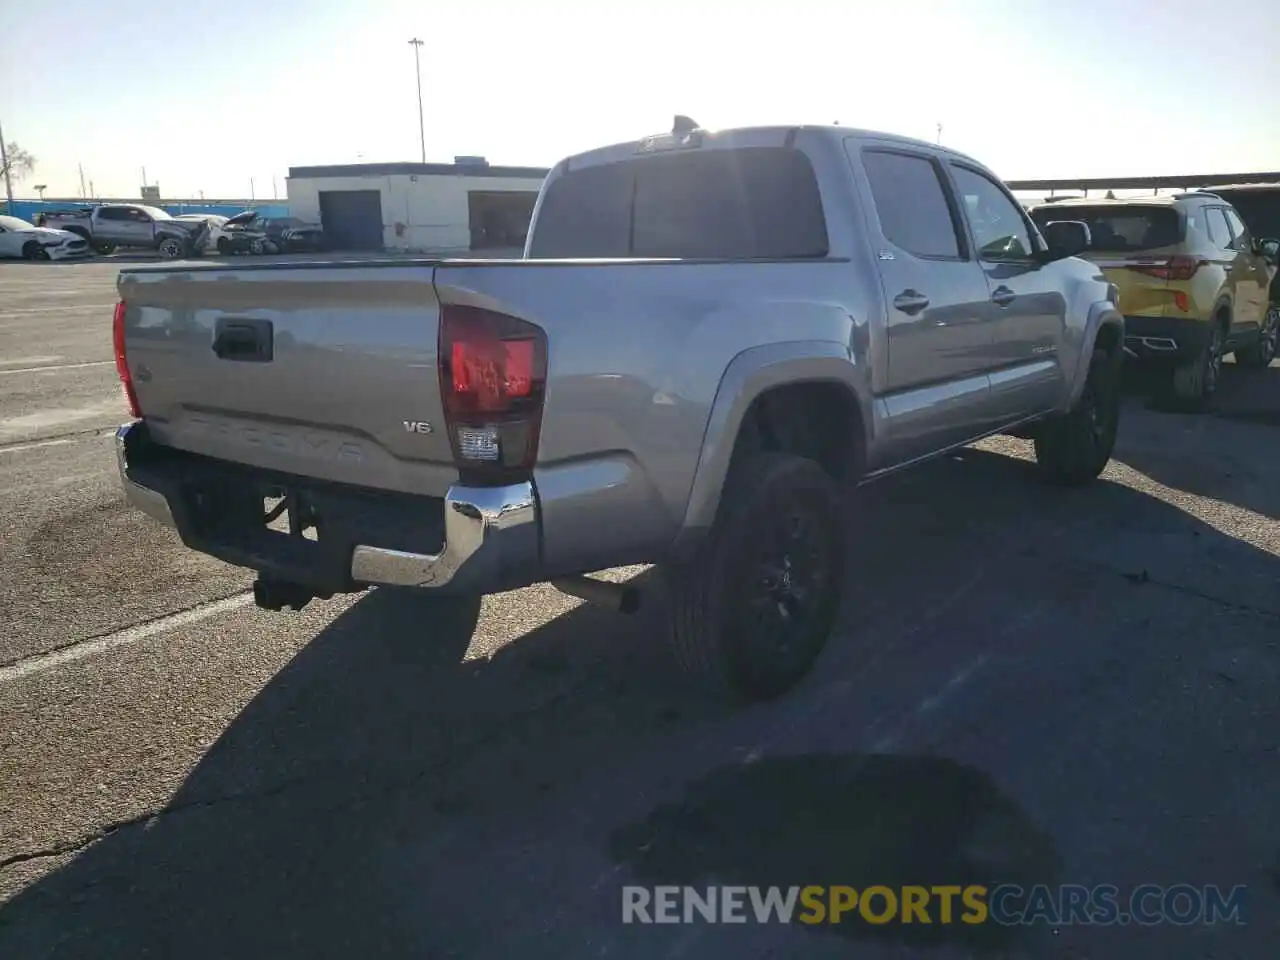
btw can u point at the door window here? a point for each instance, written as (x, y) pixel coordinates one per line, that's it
(113, 213)
(999, 230)
(911, 204)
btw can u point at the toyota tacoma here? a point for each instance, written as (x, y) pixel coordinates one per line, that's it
(711, 339)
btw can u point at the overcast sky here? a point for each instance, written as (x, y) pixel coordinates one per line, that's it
(207, 94)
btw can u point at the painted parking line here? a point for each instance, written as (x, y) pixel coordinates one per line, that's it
(56, 366)
(121, 638)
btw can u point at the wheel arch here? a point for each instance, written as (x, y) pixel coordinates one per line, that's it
(1104, 327)
(758, 396)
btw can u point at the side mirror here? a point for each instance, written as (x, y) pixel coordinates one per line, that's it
(1268, 248)
(1066, 238)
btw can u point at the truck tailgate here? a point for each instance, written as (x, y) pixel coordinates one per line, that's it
(324, 370)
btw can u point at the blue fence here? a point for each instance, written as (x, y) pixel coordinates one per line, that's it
(30, 209)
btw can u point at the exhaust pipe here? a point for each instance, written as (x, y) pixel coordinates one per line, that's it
(272, 594)
(618, 597)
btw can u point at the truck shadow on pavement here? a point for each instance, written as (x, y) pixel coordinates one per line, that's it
(382, 796)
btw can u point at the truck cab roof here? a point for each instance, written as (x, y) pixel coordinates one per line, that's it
(773, 135)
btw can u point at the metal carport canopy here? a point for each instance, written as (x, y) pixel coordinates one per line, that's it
(1147, 183)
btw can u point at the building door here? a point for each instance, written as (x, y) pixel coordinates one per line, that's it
(499, 220)
(352, 219)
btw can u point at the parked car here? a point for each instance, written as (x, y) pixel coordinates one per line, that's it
(134, 226)
(213, 221)
(782, 314)
(18, 238)
(251, 232)
(1194, 284)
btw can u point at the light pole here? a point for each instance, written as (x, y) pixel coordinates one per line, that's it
(422, 128)
(40, 188)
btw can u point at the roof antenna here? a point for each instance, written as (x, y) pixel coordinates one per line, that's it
(683, 124)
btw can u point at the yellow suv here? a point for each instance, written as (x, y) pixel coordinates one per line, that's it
(1194, 286)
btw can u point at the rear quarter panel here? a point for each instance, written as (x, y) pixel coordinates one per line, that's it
(637, 352)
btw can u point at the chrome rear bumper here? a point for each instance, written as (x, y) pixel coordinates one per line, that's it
(491, 539)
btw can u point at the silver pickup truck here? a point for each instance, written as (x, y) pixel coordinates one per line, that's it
(133, 226)
(712, 337)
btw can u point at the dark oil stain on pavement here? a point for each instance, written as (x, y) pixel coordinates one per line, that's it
(91, 546)
(857, 820)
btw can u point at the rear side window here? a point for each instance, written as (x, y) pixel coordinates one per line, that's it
(1120, 228)
(748, 203)
(1238, 230)
(1219, 232)
(911, 204)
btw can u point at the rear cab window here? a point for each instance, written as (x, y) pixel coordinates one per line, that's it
(736, 203)
(1120, 228)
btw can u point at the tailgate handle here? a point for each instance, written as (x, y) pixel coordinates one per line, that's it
(242, 338)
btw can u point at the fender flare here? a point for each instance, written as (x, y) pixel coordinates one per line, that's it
(749, 375)
(1102, 314)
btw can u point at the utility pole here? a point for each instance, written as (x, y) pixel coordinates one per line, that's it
(422, 127)
(251, 191)
(4, 160)
(275, 191)
(939, 133)
(84, 193)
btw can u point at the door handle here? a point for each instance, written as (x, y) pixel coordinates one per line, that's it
(910, 302)
(1003, 296)
(243, 339)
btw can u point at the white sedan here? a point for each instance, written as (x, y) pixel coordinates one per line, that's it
(21, 239)
(216, 223)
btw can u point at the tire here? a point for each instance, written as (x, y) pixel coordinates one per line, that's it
(1193, 383)
(257, 246)
(171, 248)
(1074, 449)
(33, 251)
(753, 608)
(103, 248)
(1262, 351)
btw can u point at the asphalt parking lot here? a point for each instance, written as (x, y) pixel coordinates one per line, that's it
(1028, 686)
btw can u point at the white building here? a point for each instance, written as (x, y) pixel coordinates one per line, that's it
(466, 205)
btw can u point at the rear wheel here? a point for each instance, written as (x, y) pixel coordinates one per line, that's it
(754, 608)
(1074, 449)
(1193, 383)
(103, 247)
(1261, 352)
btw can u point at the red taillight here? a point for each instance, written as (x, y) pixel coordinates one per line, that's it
(493, 372)
(122, 364)
(1175, 268)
